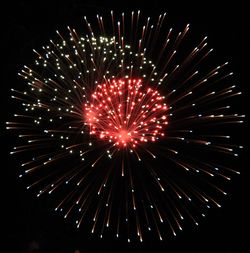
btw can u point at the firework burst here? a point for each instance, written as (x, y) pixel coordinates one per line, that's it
(127, 129)
(123, 114)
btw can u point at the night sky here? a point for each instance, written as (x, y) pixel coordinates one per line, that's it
(31, 222)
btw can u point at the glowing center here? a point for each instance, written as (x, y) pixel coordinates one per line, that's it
(124, 136)
(126, 113)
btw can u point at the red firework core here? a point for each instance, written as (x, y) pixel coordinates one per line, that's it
(125, 112)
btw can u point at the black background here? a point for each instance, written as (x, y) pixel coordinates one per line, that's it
(29, 25)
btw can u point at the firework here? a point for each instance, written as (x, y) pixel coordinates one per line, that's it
(126, 128)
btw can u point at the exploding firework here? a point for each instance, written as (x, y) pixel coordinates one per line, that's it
(126, 127)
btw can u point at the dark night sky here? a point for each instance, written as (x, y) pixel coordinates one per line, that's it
(29, 25)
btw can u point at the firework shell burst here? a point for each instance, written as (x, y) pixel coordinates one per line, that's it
(126, 127)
